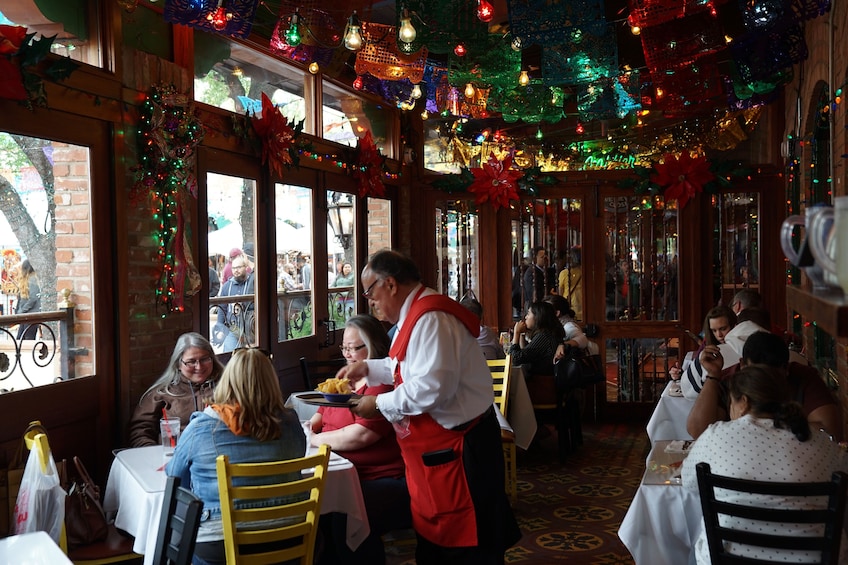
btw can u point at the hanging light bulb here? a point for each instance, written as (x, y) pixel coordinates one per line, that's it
(416, 91)
(219, 17)
(635, 30)
(424, 114)
(237, 72)
(516, 43)
(469, 90)
(524, 78)
(357, 82)
(459, 50)
(293, 33)
(353, 36)
(314, 68)
(406, 33)
(579, 129)
(485, 11)
(539, 134)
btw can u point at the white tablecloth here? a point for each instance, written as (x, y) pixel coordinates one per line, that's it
(668, 420)
(664, 519)
(521, 418)
(136, 487)
(35, 548)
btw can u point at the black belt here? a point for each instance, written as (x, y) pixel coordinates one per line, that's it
(489, 412)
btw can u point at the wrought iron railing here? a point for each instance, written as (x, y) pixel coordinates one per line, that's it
(32, 345)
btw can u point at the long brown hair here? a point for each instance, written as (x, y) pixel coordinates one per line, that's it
(767, 391)
(717, 312)
(250, 381)
(23, 279)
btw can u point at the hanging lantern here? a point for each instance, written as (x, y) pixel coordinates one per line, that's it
(523, 78)
(406, 33)
(416, 91)
(485, 11)
(469, 90)
(220, 17)
(353, 36)
(293, 33)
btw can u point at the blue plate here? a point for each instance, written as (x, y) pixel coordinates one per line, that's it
(337, 398)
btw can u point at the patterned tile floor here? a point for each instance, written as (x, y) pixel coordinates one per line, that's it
(571, 512)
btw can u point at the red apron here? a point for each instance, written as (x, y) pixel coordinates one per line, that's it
(441, 504)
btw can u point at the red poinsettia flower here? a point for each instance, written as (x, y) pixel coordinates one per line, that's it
(495, 182)
(369, 167)
(11, 39)
(277, 137)
(682, 178)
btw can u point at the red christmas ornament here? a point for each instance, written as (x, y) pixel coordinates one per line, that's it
(219, 18)
(485, 11)
(459, 50)
(495, 182)
(357, 82)
(368, 168)
(683, 177)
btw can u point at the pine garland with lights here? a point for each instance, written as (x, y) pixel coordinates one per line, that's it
(169, 131)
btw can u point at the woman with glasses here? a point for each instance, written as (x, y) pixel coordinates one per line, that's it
(371, 445)
(184, 387)
(246, 422)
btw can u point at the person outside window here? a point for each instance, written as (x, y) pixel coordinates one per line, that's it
(29, 299)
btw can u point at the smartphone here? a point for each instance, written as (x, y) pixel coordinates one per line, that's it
(440, 457)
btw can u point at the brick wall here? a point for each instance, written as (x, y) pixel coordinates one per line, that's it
(379, 225)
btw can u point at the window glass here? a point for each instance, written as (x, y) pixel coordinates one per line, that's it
(456, 249)
(341, 256)
(44, 234)
(69, 20)
(346, 118)
(294, 261)
(737, 242)
(232, 251)
(233, 77)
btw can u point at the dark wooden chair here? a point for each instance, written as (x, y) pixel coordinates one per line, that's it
(178, 524)
(561, 407)
(315, 372)
(828, 516)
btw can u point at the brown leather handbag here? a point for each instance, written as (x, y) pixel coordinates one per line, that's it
(85, 521)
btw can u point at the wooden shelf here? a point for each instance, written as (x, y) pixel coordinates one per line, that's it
(828, 311)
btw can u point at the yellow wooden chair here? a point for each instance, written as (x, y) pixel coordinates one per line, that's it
(297, 521)
(500, 369)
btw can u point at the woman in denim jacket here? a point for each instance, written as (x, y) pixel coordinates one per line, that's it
(246, 422)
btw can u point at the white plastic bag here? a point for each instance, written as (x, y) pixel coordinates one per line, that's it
(41, 501)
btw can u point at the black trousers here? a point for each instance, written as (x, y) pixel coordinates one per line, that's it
(497, 530)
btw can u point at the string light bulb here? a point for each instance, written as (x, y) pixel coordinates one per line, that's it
(314, 68)
(539, 134)
(516, 44)
(485, 11)
(293, 33)
(219, 17)
(357, 82)
(353, 34)
(469, 90)
(579, 129)
(406, 33)
(459, 50)
(523, 78)
(424, 114)
(416, 91)
(635, 30)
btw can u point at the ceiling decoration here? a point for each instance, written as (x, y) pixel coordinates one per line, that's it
(653, 76)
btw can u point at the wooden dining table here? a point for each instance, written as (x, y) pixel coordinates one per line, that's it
(136, 487)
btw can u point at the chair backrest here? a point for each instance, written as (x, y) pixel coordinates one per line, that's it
(500, 369)
(291, 508)
(827, 518)
(178, 524)
(315, 372)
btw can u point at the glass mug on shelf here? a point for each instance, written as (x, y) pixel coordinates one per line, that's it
(829, 243)
(803, 257)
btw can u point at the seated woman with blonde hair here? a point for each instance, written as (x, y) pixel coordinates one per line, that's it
(248, 423)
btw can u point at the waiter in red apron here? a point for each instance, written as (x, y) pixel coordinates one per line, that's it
(442, 411)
